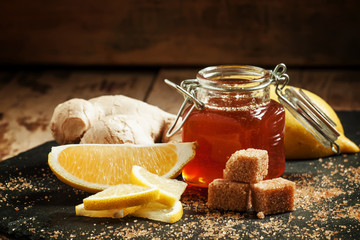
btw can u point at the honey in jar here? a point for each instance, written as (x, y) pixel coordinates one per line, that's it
(237, 114)
(230, 109)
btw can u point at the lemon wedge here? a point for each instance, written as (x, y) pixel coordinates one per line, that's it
(159, 212)
(121, 196)
(170, 189)
(110, 213)
(95, 167)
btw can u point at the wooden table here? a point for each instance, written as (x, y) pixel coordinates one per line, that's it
(28, 96)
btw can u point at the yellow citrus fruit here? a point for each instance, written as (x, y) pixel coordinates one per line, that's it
(121, 196)
(94, 167)
(159, 212)
(153, 210)
(110, 213)
(300, 144)
(170, 189)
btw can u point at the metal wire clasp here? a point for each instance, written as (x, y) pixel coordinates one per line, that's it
(187, 89)
(304, 110)
(279, 77)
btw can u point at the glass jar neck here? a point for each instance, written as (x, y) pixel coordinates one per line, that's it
(233, 87)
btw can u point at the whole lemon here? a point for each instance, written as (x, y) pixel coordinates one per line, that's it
(301, 144)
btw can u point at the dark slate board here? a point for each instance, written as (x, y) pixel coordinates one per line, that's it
(34, 204)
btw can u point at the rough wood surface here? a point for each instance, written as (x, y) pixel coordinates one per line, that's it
(165, 96)
(178, 32)
(340, 88)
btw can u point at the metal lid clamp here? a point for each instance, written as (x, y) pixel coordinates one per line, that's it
(189, 96)
(304, 110)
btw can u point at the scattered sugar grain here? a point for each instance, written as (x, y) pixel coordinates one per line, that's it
(260, 215)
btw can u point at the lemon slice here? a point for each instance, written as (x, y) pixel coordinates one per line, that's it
(170, 189)
(95, 167)
(111, 213)
(159, 212)
(121, 196)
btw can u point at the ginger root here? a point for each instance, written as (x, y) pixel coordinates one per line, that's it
(111, 119)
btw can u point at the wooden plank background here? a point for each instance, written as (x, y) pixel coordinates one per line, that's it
(180, 32)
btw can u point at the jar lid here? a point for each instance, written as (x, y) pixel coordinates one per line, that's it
(311, 117)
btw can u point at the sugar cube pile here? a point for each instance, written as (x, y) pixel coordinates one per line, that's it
(243, 186)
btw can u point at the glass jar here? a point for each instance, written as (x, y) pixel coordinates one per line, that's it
(230, 109)
(237, 114)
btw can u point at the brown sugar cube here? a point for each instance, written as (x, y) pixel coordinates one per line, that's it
(273, 196)
(227, 195)
(250, 166)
